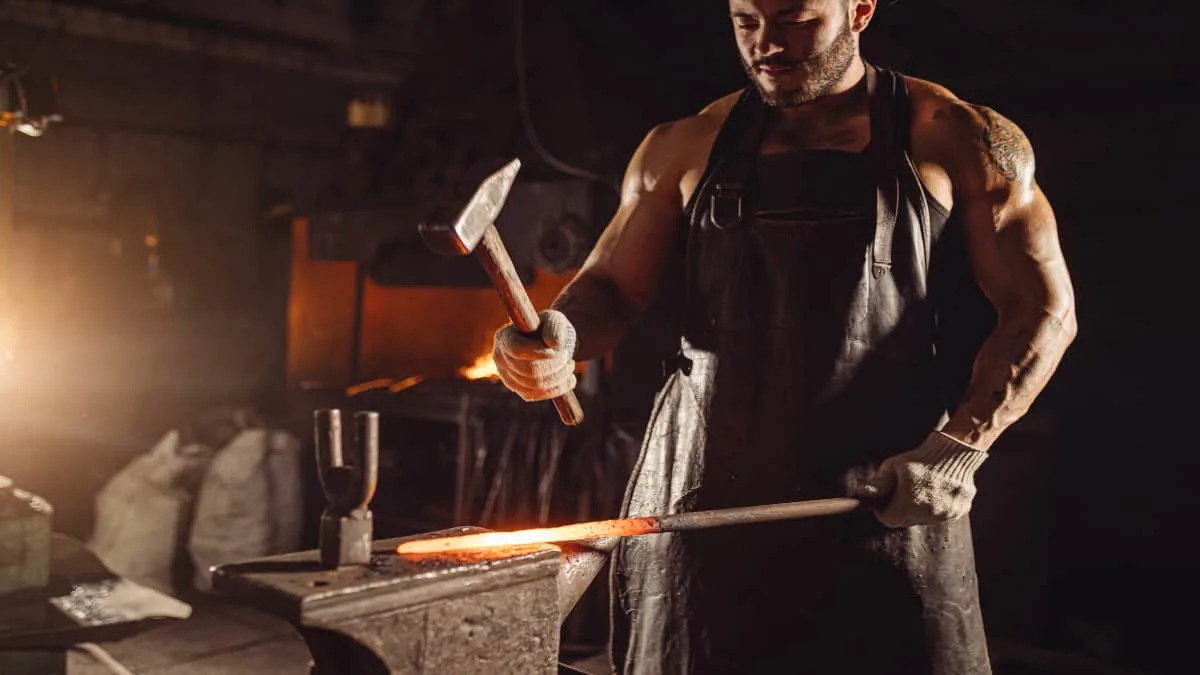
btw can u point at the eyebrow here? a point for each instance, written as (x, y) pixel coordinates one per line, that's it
(790, 8)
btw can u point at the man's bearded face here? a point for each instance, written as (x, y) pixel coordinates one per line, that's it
(794, 52)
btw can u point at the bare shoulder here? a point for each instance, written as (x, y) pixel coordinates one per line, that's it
(697, 130)
(675, 153)
(974, 143)
(720, 108)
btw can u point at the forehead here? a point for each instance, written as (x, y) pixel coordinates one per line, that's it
(775, 7)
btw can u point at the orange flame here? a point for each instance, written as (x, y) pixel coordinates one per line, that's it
(483, 368)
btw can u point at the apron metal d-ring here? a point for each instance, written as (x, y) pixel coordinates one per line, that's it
(726, 208)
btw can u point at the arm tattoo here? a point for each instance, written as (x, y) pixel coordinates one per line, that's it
(1006, 146)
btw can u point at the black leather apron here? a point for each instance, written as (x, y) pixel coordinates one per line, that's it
(808, 355)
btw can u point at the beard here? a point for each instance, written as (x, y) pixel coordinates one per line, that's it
(818, 74)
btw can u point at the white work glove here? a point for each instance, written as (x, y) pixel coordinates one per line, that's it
(932, 483)
(536, 368)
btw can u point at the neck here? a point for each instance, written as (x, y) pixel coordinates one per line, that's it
(845, 97)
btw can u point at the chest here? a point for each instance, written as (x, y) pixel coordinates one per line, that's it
(851, 137)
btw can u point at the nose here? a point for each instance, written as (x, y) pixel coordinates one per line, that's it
(769, 41)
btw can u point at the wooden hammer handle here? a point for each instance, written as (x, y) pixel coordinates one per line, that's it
(499, 267)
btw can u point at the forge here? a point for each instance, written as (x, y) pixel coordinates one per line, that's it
(495, 611)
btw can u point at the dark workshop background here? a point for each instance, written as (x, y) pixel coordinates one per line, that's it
(213, 125)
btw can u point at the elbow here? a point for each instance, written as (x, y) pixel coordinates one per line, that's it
(1062, 309)
(1053, 318)
(1060, 316)
(1070, 324)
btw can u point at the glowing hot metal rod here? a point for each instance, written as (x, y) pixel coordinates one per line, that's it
(632, 527)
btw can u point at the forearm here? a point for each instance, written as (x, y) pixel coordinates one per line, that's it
(1013, 366)
(598, 310)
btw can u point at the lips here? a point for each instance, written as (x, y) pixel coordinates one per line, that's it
(775, 69)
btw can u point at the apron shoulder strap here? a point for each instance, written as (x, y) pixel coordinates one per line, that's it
(887, 149)
(891, 113)
(729, 162)
(897, 179)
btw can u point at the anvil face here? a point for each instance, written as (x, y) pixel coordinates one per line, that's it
(486, 612)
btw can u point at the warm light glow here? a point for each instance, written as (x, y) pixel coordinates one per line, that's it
(483, 368)
(627, 527)
(8, 330)
(8, 341)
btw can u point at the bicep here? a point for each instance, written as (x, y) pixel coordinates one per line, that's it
(1016, 254)
(1011, 229)
(632, 248)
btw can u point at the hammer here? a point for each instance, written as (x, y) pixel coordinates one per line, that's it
(474, 231)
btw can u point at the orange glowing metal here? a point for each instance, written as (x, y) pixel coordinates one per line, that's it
(406, 383)
(577, 532)
(632, 527)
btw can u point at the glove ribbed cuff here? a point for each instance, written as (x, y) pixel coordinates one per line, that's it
(952, 458)
(558, 331)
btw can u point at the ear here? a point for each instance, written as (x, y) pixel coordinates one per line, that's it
(861, 12)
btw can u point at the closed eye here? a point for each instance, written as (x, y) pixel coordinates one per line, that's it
(748, 23)
(745, 21)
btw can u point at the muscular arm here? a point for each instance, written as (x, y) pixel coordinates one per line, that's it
(1013, 241)
(619, 277)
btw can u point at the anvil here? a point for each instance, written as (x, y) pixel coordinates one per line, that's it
(495, 612)
(364, 609)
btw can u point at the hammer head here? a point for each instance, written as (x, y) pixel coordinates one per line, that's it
(461, 236)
